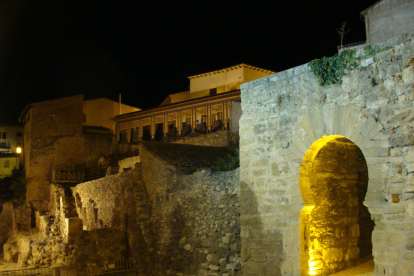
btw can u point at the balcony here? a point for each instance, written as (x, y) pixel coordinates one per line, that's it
(70, 176)
(5, 147)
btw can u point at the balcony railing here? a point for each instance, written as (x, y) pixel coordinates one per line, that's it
(5, 147)
(67, 176)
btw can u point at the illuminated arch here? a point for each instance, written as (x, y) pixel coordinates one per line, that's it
(333, 182)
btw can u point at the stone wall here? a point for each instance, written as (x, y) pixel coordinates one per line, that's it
(387, 19)
(174, 223)
(62, 152)
(6, 223)
(235, 115)
(285, 114)
(196, 224)
(54, 138)
(60, 117)
(219, 138)
(105, 202)
(128, 163)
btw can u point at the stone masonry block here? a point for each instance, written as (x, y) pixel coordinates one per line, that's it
(395, 208)
(376, 152)
(73, 227)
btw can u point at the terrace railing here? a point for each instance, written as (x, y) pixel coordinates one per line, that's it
(69, 176)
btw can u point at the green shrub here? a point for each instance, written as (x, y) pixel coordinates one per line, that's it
(18, 189)
(13, 189)
(329, 70)
(228, 163)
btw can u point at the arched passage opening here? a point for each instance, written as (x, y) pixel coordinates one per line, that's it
(335, 226)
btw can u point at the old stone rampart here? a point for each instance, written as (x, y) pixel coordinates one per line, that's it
(284, 115)
(177, 223)
(105, 202)
(196, 224)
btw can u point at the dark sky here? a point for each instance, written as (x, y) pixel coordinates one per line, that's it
(146, 49)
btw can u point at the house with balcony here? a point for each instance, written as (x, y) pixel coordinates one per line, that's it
(211, 104)
(11, 137)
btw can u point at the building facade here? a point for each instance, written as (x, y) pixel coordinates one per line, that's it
(99, 112)
(212, 103)
(67, 133)
(10, 149)
(387, 19)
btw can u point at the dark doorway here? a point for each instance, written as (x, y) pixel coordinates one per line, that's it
(146, 133)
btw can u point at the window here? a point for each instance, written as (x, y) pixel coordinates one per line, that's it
(6, 163)
(123, 137)
(217, 117)
(4, 135)
(19, 134)
(213, 91)
(134, 135)
(171, 124)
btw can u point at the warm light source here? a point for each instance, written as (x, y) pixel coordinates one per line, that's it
(18, 150)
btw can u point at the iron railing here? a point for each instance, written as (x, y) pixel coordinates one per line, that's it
(68, 176)
(110, 267)
(40, 271)
(77, 176)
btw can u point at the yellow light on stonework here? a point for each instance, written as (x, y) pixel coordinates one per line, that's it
(315, 268)
(18, 150)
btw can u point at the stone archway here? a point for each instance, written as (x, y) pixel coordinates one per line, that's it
(335, 226)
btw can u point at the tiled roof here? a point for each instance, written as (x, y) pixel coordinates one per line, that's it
(232, 68)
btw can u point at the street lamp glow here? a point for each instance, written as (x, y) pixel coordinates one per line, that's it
(18, 150)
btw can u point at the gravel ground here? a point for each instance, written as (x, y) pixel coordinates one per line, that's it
(365, 268)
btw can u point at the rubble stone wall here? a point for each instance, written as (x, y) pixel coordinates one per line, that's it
(217, 139)
(6, 223)
(284, 114)
(196, 224)
(105, 202)
(176, 223)
(128, 163)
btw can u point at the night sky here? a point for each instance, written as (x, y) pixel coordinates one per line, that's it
(146, 49)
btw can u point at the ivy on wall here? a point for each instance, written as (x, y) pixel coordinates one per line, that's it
(329, 70)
